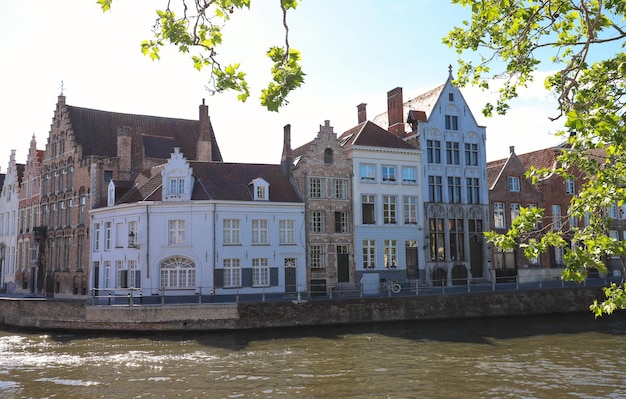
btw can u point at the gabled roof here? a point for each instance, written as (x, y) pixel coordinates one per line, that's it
(369, 134)
(96, 131)
(217, 181)
(417, 109)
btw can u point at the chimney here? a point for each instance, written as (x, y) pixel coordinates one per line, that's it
(124, 141)
(395, 111)
(512, 149)
(286, 160)
(204, 148)
(361, 112)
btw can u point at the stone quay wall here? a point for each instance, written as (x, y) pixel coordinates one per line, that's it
(79, 315)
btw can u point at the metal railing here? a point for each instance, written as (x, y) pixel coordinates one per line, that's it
(139, 296)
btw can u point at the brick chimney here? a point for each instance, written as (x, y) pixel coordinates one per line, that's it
(286, 160)
(204, 149)
(361, 112)
(395, 111)
(512, 149)
(124, 152)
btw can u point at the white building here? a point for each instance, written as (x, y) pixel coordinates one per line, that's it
(387, 203)
(200, 228)
(455, 187)
(9, 206)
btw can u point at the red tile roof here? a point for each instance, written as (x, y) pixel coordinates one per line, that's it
(370, 134)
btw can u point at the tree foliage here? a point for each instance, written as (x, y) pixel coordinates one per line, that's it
(584, 42)
(195, 28)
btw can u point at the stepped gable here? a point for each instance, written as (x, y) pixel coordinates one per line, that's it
(96, 132)
(369, 134)
(231, 182)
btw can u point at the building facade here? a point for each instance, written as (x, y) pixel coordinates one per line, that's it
(455, 190)
(200, 228)
(85, 150)
(387, 199)
(322, 173)
(9, 208)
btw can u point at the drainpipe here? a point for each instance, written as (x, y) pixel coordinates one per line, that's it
(147, 241)
(214, 250)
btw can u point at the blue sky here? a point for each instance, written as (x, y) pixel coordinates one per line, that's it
(354, 51)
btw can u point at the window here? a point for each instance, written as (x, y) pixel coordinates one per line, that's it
(437, 239)
(68, 213)
(107, 236)
(450, 96)
(515, 209)
(369, 254)
(389, 209)
(96, 237)
(178, 272)
(232, 273)
(533, 206)
(61, 213)
(316, 187)
(81, 209)
(68, 243)
(108, 175)
(473, 190)
(498, 215)
(454, 189)
(134, 275)
(453, 156)
(434, 189)
(316, 256)
(556, 218)
(328, 156)
(107, 274)
(231, 232)
(457, 239)
(177, 186)
(261, 192)
(410, 209)
(368, 205)
(452, 122)
(573, 219)
(121, 280)
(340, 188)
(514, 183)
(570, 188)
(408, 175)
(81, 252)
(391, 253)
(260, 272)
(259, 232)
(342, 222)
(433, 151)
(318, 224)
(389, 173)
(471, 154)
(612, 211)
(287, 232)
(558, 255)
(368, 173)
(176, 229)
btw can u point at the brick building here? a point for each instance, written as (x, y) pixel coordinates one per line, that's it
(29, 279)
(322, 173)
(87, 148)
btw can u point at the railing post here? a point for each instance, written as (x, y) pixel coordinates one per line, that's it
(468, 286)
(162, 297)
(130, 299)
(109, 298)
(417, 287)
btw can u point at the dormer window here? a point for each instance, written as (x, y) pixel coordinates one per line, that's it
(177, 178)
(177, 186)
(261, 189)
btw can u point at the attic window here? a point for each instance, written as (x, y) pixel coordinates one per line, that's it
(177, 186)
(328, 156)
(260, 192)
(450, 96)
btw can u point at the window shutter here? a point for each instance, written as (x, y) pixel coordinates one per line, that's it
(246, 277)
(218, 278)
(273, 277)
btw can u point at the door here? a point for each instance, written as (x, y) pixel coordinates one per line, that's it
(343, 269)
(290, 275)
(476, 256)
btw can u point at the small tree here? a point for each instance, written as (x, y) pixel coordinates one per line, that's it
(514, 37)
(195, 26)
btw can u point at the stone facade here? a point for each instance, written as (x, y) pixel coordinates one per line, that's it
(322, 173)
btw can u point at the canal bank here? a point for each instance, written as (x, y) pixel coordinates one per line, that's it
(46, 314)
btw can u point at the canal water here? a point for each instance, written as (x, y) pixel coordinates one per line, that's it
(571, 356)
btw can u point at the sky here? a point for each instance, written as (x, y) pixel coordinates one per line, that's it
(354, 51)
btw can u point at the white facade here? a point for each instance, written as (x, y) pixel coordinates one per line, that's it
(455, 189)
(388, 214)
(182, 246)
(9, 206)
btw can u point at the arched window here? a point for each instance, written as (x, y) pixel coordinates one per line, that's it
(328, 156)
(178, 272)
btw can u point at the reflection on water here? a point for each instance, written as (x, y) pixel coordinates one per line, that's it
(530, 357)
